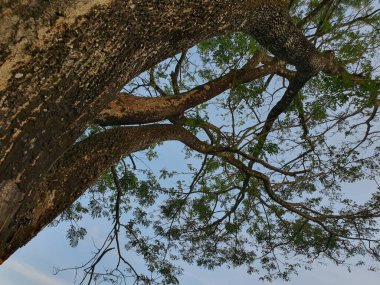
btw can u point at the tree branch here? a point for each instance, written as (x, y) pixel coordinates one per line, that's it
(72, 174)
(174, 75)
(70, 67)
(313, 13)
(129, 109)
(295, 85)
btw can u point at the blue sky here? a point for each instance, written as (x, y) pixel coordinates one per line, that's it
(34, 264)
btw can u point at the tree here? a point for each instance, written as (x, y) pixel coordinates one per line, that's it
(63, 66)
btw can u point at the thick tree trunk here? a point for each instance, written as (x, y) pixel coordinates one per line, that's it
(65, 62)
(62, 62)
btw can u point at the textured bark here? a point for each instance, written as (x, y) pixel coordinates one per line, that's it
(78, 168)
(128, 109)
(63, 62)
(75, 60)
(72, 174)
(66, 60)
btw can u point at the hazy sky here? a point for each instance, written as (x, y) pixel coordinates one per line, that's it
(34, 263)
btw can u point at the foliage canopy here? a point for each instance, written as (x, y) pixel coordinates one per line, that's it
(263, 192)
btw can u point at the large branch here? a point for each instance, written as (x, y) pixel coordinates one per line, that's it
(70, 58)
(281, 36)
(128, 109)
(62, 62)
(71, 175)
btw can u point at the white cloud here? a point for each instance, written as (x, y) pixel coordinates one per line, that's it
(32, 274)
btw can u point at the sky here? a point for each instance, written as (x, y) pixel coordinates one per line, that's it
(34, 263)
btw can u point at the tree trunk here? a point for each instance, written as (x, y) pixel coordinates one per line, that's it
(63, 62)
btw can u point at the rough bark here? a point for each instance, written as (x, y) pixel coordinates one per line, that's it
(72, 174)
(127, 109)
(63, 62)
(76, 56)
